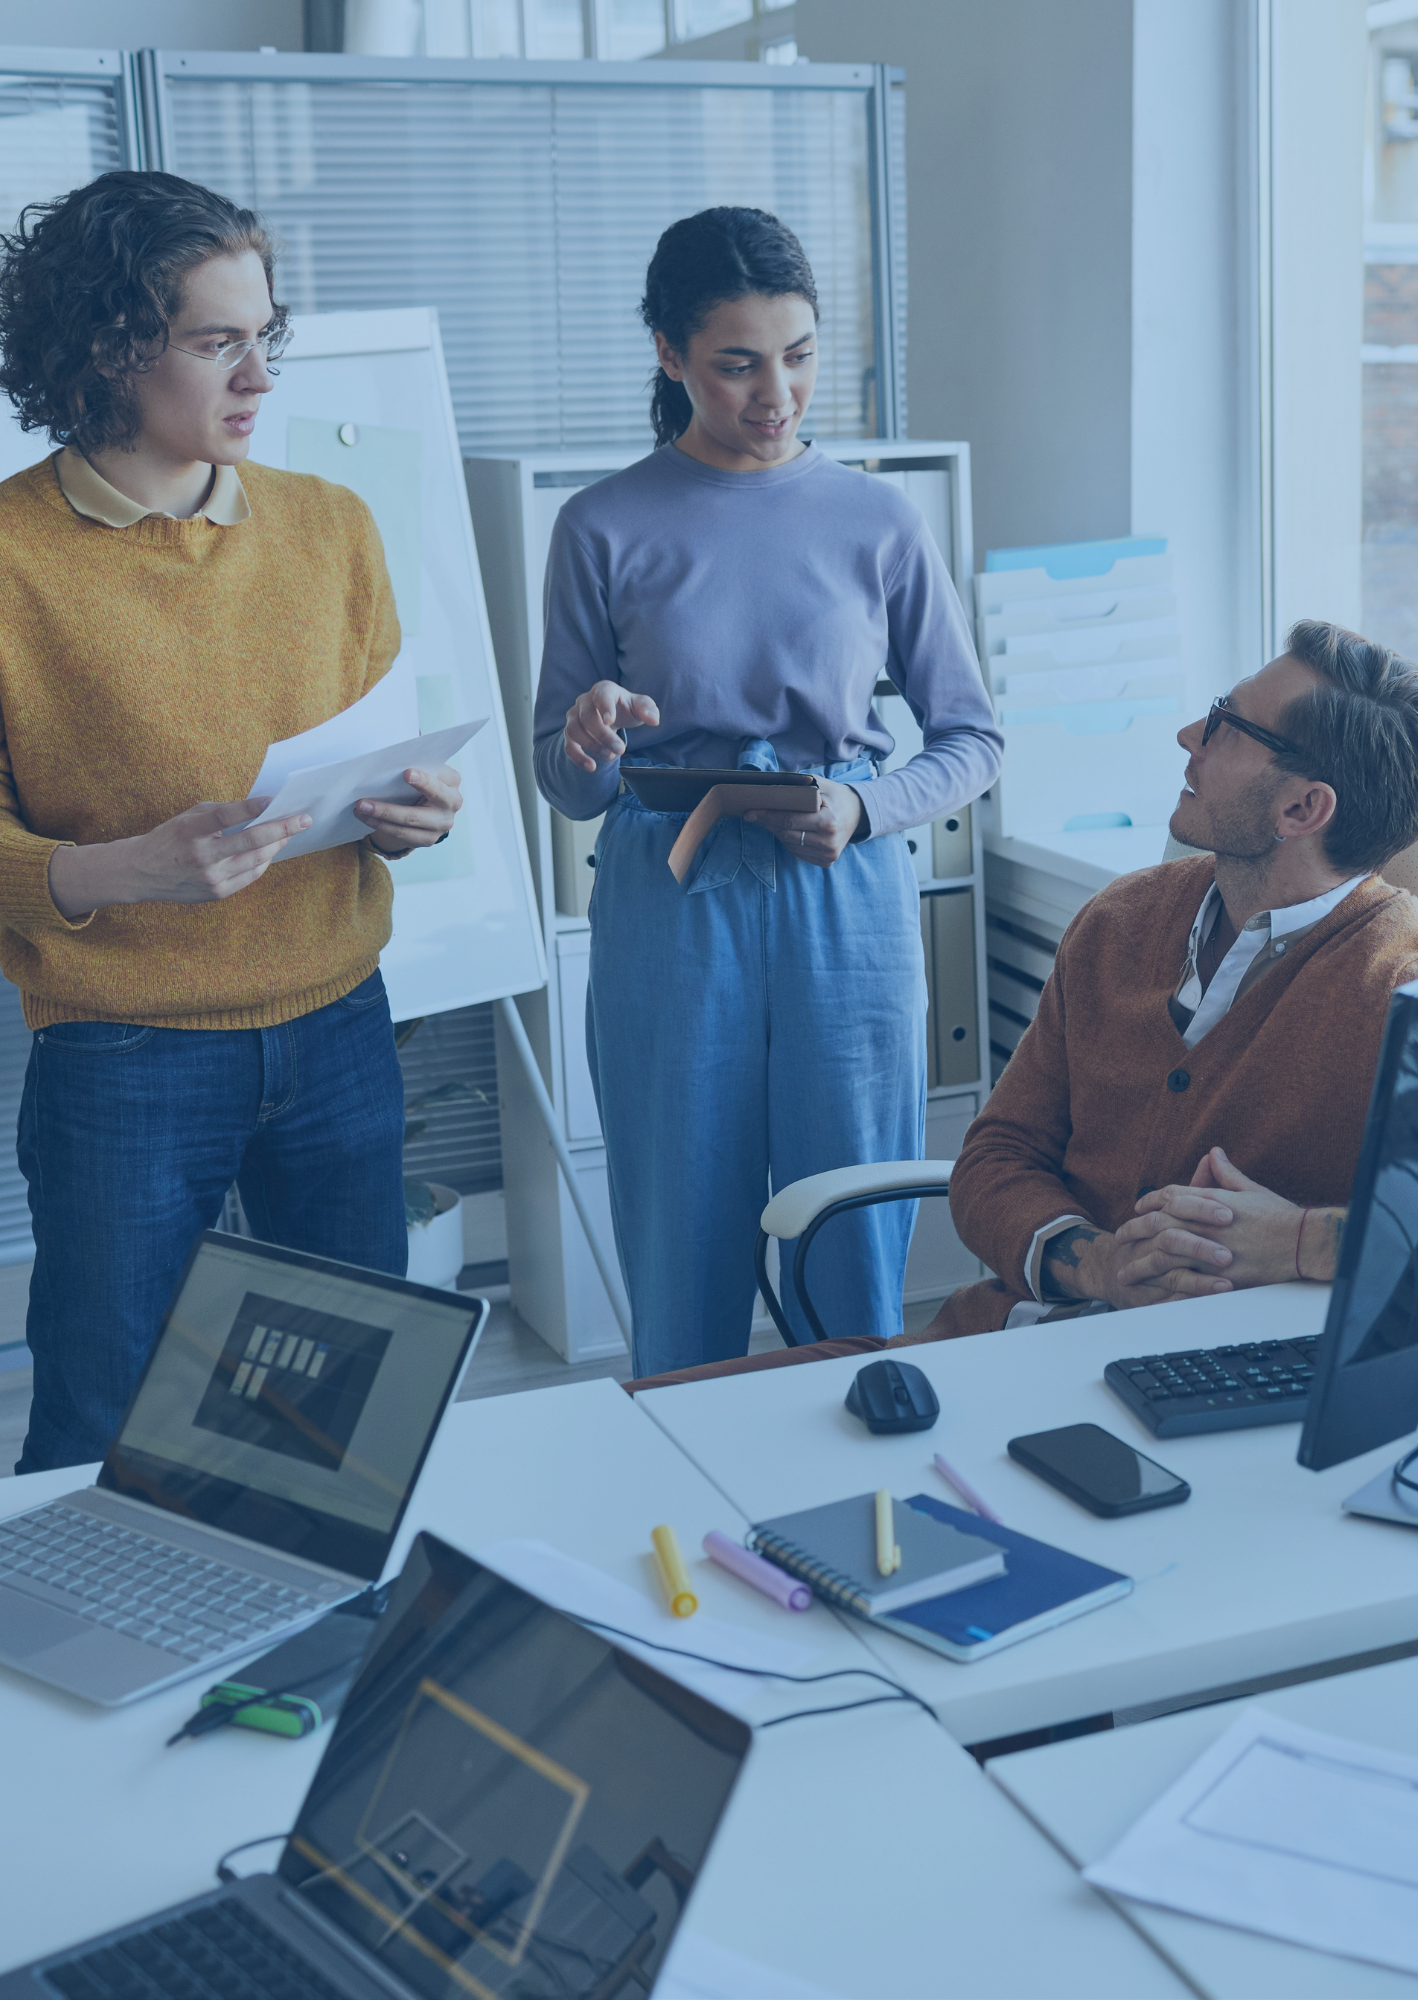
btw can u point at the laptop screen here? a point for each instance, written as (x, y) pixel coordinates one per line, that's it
(509, 1803)
(292, 1400)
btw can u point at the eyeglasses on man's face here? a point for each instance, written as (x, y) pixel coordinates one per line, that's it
(270, 346)
(1222, 711)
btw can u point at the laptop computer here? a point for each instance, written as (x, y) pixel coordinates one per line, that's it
(509, 1804)
(258, 1477)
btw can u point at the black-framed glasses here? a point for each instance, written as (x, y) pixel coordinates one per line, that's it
(1222, 711)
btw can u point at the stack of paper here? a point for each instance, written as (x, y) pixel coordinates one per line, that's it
(1287, 1831)
(1079, 647)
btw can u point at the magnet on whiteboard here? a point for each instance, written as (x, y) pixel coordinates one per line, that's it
(348, 433)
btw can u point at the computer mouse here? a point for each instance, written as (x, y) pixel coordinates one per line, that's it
(892, 1396)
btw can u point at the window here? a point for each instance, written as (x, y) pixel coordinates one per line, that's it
(1390, 349)
(473, 194)
(56, 132)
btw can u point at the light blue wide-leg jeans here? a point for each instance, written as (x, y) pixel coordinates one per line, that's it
(765, 1019)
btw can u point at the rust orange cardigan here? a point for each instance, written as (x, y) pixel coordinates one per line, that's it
(1084, 1118)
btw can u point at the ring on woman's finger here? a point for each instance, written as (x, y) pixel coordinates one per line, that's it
(802, 837)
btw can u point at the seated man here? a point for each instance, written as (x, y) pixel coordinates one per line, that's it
(1184, 1114)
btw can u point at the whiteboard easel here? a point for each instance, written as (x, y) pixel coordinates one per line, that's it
(465, 918)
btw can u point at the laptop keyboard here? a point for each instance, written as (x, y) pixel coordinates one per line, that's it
(129, 1582)
(1217, 1388)
(220, 1952)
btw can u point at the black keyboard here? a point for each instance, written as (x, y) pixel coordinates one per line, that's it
(1217, 1388)
(218, 1952)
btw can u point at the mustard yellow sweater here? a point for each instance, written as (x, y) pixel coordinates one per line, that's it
(145, 669)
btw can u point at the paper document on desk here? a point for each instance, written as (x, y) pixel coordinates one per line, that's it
(330, 793)
(582, 1591)
(1289, 1832)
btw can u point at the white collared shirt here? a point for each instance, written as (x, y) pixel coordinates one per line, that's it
(1267, 930)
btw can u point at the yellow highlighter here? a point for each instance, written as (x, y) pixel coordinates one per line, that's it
(888, 1553)
(673, 1574)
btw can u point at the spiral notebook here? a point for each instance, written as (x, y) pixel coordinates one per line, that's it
(1041, 1587)
(833, 1549)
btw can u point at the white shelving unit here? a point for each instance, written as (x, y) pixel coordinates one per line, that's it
(515, 498)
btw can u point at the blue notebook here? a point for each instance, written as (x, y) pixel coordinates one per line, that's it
(1041, 1587)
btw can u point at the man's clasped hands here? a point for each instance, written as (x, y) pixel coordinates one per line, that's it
(1221, 1233)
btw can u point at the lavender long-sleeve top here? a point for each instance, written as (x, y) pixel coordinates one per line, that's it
(761, 604)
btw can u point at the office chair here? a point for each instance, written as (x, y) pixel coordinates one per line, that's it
(801, 1209)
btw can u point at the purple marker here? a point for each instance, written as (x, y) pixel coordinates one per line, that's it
(764, 1576)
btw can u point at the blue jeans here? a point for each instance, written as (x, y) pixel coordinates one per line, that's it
(767, 1018)
(129, 1139)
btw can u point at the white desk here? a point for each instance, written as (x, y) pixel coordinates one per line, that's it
(889, 1853)
(1087, 1793)
(1258, 1573)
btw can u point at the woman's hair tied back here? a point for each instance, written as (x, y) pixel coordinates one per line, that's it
(701, 262)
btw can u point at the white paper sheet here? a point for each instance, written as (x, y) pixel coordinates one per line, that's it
(1286, 1831)
(384, 715)
(695, 1969)
(584, 1592)
(330, 793)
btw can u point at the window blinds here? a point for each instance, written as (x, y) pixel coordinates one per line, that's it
(527, 212)
(56, 132)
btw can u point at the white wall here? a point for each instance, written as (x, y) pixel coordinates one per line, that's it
(1019, 168)
(1083, 283)
(152, 24)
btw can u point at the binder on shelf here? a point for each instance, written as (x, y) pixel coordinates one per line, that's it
(921, 848)
(928, 949)
(952, 1033)
(952, 846)
(573, 845)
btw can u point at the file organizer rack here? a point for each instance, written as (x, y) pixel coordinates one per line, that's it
(1079, 644)
(515, 498)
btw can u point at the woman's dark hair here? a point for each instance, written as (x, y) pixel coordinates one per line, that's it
(699, 263)
(88, 287)
(1357, 731)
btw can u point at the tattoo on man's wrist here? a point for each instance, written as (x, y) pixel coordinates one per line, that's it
(1334, 1236)
(1064, 1252)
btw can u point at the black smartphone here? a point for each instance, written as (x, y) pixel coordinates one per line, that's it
(1098, 1470)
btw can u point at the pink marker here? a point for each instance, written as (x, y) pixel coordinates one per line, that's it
(764, 1576)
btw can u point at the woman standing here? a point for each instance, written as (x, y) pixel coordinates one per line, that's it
(201, 1018)
(734, 598)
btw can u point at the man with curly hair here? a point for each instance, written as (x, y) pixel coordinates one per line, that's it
(200, 1018)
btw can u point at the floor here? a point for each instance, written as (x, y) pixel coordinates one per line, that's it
(510, 1357)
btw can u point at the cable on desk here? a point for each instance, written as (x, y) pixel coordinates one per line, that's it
(225, 1874)
(899, 1693)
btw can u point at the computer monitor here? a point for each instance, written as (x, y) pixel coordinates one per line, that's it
(1365, 1390)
